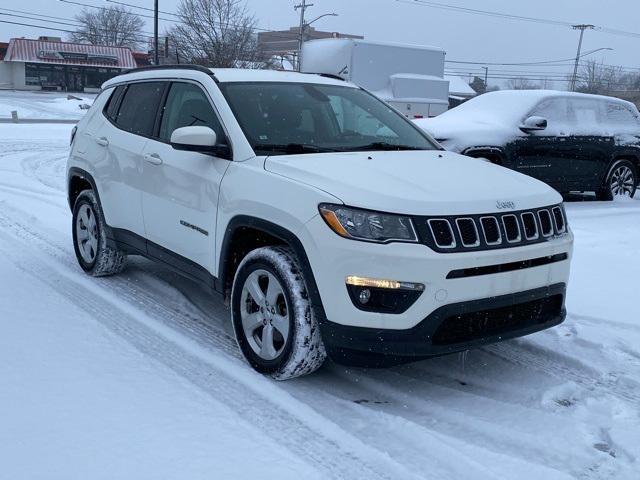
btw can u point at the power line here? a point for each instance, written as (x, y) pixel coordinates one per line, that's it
(44, 27)
(507, 16)
(475, 11)
(544, 62)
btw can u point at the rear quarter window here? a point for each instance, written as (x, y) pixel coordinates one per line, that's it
(111, 108)
(621, 115)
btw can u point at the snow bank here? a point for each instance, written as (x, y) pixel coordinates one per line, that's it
(41, 105)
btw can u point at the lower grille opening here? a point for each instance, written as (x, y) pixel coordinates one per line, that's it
(471, 326)
(507, 267)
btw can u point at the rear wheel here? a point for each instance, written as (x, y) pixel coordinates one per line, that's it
(273, 319)
(90, 239)
(621, 181)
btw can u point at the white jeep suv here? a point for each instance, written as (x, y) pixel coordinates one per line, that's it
(330, 222)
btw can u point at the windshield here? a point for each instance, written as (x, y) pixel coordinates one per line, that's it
(292, 118)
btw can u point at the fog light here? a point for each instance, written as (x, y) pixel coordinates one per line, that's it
(380, 283)
(382, 296)
(364, 296)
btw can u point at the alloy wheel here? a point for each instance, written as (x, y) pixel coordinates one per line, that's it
(622, 181)
(87, 234)
(264, 312)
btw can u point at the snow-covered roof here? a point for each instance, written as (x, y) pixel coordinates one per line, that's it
(335, 41)
(67, 53)
(458, 87)
(508, 106)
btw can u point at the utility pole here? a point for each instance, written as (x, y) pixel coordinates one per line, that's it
(486, 78)
(303, 8)
(582, 28)
(155, 34)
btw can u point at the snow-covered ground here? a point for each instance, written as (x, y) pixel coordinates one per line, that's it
(137, 376)
(39, 105)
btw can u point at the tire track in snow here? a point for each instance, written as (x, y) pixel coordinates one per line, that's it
(532, 357)
(254, 398)
(427, 407)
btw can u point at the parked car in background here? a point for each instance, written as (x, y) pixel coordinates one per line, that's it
(330, 222)
(571, 141)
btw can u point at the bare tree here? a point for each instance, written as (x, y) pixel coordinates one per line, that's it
(522, 83)
(113, 26)
(629, 81)
(216, 33)
(598, 78)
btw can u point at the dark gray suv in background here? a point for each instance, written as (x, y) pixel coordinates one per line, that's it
(572, 141)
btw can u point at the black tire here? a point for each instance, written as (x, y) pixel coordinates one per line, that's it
(302, 351)
(102, 260)
(609, 191)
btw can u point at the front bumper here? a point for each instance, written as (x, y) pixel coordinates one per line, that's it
(333, 258)
(459, 326)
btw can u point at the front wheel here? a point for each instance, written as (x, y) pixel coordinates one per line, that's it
(275, 324)
(621, 181)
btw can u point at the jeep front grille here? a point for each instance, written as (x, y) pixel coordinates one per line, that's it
(442, 233)
(545, 221)
(530, 225)
(485, 232)
(558, 218)
(468, 232)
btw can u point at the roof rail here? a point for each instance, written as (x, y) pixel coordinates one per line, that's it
(197, 68)
(328, 75)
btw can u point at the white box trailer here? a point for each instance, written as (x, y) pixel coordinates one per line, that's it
(408, 77)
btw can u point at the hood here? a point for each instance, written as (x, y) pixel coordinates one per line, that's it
(456, 136)
(414, 182)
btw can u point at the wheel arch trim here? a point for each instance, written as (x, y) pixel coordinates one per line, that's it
(279, 232)
(75, 172)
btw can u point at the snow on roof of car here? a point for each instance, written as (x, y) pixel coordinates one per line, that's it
(504, 107)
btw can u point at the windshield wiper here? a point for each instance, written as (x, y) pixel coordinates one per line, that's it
(293, 148)
(382, 146)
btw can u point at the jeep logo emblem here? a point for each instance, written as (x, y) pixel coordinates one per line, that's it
(505, 205)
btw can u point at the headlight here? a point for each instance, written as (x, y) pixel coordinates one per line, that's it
(367, 225)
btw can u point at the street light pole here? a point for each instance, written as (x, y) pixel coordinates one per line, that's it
(303, 8)
(155, 34)
(486, 78)
(582, 28)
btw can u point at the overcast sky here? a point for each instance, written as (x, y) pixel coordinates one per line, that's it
(463, 36)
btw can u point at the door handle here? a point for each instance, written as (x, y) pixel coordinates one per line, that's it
(102, 141)
(153, 159)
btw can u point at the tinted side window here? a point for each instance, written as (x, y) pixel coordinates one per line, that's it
(186, 106)
(618, 114)
(111, 109)
(137, 113)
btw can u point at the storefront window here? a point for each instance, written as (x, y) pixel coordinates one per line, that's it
(67, 77)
